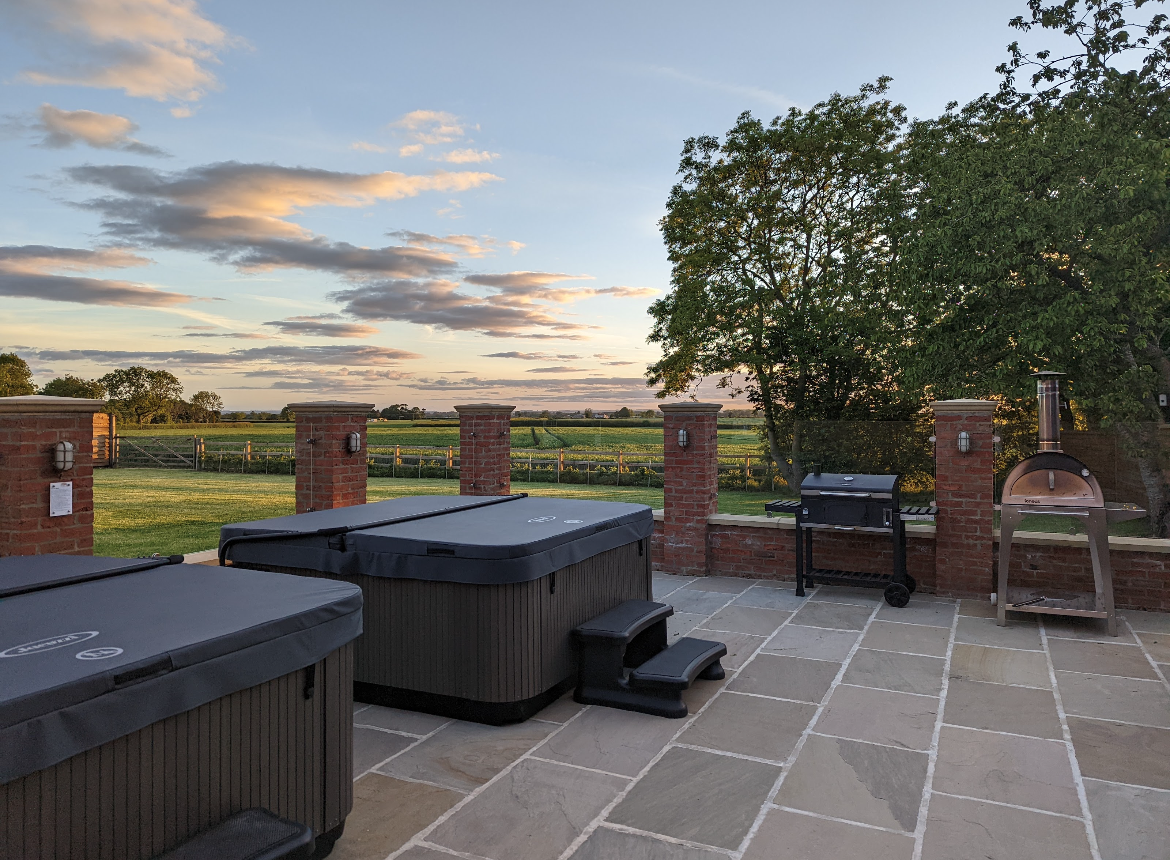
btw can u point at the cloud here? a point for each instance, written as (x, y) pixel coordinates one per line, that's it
(286, 356)
(617, 363)
(468, 246)
(63, 128)
(366, 146)
(466, 156)
(551, 370)
(237, 213)
(440, 303)
(534, 286)
(198, 327)
(321, 326)
(235, 335)
(775, 100)
(571, 389)
(428, 127)
(34, 272)
(531, 356)
(157, 49)
(181, 112)
(410, 149)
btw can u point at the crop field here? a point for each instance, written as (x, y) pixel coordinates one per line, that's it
(142, 511)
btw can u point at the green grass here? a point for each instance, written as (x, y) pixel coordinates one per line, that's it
(141, 511)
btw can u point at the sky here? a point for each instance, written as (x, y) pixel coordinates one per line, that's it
(421, 203)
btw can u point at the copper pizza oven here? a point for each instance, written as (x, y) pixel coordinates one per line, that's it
(1053, 483)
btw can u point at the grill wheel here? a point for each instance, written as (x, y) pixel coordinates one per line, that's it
(897, 594)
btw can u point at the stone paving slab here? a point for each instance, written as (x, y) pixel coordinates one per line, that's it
(836, 722)
(535, 810)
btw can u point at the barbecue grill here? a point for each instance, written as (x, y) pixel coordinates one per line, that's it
(850, 503)
(1053, 483)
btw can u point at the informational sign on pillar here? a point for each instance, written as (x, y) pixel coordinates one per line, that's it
(61, 499)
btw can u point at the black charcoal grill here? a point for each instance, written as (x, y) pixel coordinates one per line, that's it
(1053, 483)
(851, 503)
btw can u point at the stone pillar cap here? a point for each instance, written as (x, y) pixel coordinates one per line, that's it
(963, 407)
(476, 408)
(331, 407)
(42, 403)
(686, 407)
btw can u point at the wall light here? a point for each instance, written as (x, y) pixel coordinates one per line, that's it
(964, 441)
(682, 437)
(63, 456)
(353, 443)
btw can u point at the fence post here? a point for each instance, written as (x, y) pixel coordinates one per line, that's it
(621, 463)
(247, 451)
(560, 463)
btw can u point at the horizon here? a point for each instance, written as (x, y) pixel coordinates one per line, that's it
(393, 204)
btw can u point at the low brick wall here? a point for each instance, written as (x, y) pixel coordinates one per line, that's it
(762, 548)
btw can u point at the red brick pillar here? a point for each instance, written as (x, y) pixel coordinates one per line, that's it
(30, 428)
(965, 490)
(485, 446)
(691, 484)
(329, 475)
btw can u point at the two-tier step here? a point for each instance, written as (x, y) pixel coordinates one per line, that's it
(624, 662)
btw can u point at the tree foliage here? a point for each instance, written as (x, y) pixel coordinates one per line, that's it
(206, 406)
(15, 376)
(1040, 232)
(74, 386)
(142, 395)
(781, 240)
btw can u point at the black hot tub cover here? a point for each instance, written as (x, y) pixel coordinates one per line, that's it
(517, 539)
(86, 662)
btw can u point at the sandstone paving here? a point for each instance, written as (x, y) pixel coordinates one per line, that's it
(815, 745)
(907, 638)
(904, 673)
(1088, 629)
(1157, 644)
(1000, 666)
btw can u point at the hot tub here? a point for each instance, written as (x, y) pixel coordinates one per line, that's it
(469, 602)
(139, 707)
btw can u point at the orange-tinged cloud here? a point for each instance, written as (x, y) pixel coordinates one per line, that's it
(466, 156)
(35, 272)
(428, 126)
(64, 128)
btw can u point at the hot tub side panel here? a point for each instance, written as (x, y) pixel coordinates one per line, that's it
(487, 643)
(149, 791)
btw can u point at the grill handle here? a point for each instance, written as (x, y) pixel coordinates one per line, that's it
(845, 528)
(846, 495)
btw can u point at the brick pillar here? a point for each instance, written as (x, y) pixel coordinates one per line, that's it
(691, 484)
(485, 446)
(965, 490)
(30, 428)
(328, 475)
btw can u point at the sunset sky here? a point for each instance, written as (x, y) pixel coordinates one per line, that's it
(429, 203)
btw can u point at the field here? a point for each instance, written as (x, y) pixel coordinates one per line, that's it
(732, 443)
(142, 511)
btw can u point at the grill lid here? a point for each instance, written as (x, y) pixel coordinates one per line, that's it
(830, 484)
(1052, 479)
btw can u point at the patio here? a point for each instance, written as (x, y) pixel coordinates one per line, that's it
(845, 728)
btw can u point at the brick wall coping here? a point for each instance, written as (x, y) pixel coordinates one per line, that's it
(41, 404)
(963, 407)
(688, 408)
(331, 407)
(483, 408)
(1116, 544)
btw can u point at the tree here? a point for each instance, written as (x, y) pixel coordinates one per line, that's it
(143, 395)
(75, 386)
(206, 406)
(15, 376)
(624, 412)
(588, 413)
(402, 412)
(781, 241)
(1041, 232)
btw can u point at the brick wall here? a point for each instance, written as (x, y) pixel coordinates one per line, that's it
(691, 484)
(965, 490)
(328, 475)
(485, 445)
(30, 427)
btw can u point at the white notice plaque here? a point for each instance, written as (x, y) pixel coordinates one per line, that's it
(61, 499)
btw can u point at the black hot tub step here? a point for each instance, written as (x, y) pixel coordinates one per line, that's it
(623, 622)
(678, 666)
(254, 834)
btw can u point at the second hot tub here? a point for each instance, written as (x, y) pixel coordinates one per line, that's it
(469, 602)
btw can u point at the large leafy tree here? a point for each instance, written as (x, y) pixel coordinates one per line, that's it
(1041, 232)
(15, 376)
(781, 241)
(143, 395)
(74, 386)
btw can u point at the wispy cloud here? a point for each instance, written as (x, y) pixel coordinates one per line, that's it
(322, 325)
(64, 128)
(468, 246)
(558, 389)
(559, 369)
(745, 91)
(366, 146)
(428, 127)
(532, 356)
(158, 49)
(286, 356)
(57, 275)
(466, 156)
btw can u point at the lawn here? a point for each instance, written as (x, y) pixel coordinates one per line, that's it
(142, 511)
